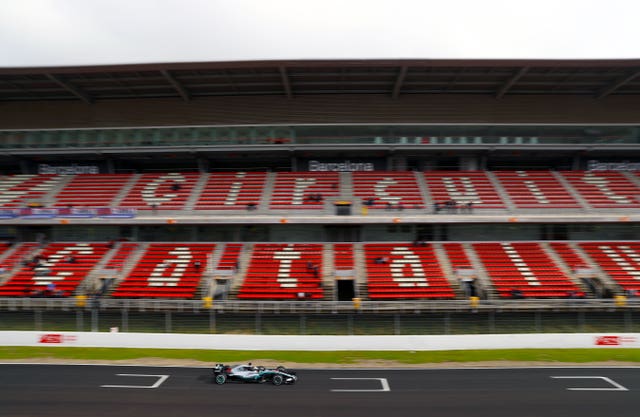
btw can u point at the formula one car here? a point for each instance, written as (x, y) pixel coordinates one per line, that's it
(249, 373)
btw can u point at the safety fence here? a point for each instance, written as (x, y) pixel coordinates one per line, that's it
(321, 318)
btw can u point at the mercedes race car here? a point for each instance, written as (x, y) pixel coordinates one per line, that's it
(249, 373)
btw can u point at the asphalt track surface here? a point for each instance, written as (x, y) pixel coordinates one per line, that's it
(70, 391)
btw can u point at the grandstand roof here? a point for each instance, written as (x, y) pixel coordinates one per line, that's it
(497, 78)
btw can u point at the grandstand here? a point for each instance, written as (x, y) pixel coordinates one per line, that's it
(324, 181)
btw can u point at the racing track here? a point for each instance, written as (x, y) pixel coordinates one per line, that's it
(79, 391)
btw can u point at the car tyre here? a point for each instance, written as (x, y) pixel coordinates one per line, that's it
(277, 380)
(221, 379)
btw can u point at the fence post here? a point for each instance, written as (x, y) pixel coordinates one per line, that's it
(212, 321)
(94, 319)
(37, 319)
(125, 320)
(258, 324)
(303, 324)
(350, 324)
(167, 322)
(492, 322)
(396, 324)
(79, 320)
(627, 321)
(447, 323)
(538, 321)
(581, 321)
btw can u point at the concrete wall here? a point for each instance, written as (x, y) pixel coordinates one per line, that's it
(321, 343)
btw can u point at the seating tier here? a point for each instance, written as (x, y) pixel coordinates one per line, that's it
(55, 268)
(169, 191)
(604, 189)
(388, 190)
(524, 266)
(20, 190)
(535, 189)
(620, 260)
(168, 270)
(463, 187)
(303, 190)
(94, 190)
(283, 271)
(231, 190)
(404, 271)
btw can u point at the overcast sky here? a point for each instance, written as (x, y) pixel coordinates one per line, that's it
(90, 32)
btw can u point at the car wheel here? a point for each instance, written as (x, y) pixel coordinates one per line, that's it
(221, 379)
(277, 380)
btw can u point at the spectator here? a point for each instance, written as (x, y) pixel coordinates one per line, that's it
(176, 186)
(436, 207)
(516, 294)
(251, 206)
(197, 265)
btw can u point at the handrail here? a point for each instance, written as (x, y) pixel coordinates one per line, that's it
(311, 306)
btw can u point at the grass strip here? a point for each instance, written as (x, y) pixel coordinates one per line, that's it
(320, 357)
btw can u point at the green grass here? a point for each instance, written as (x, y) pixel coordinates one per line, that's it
(335, 357)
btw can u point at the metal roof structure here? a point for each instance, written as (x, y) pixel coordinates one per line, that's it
(188, 81)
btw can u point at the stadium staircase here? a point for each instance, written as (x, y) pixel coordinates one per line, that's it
(572, 191)
(196, 192)
(244, 260)
(129, 263)
(482, 277)
(447, 269)
(327, 274)
(424, 190)
(634, 178)
(500, 190)
(267, 192)
(618, 273)
(564, 268)
(126, 189)
(12, 258)
(50, 198)
(360, 268)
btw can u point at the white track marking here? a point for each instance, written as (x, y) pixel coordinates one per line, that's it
(161, 379)
(616, 386)
(383, 382)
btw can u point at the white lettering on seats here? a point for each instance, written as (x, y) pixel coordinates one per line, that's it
(286, 256)
(380, 190)
(299, 188)
(150, 191)
(620, 260)
(520, 264)
(177, 265)
(603, 185)
(8, 194)
(469, 194)
(418, 278)
(534, 189)
(234, 191)
(54, 259)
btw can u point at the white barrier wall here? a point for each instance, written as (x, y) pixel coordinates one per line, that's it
(319, 343)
